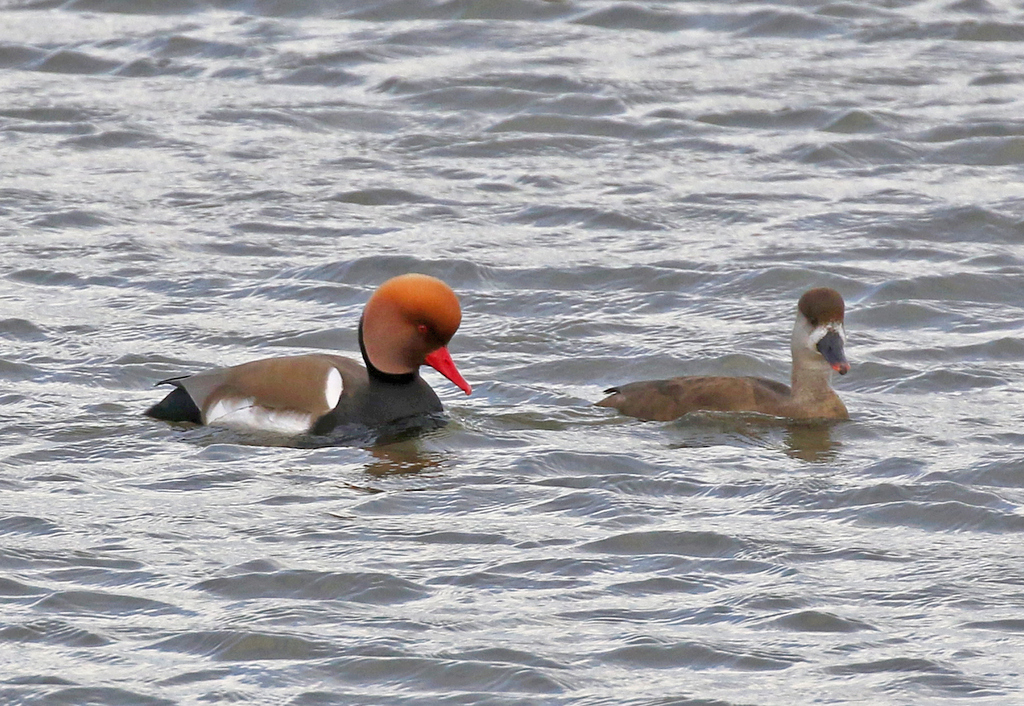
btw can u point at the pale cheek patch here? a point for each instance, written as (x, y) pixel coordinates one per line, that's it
(243, 414)
(332, 390)
(820, 333)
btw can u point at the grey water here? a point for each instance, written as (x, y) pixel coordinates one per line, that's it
(617, 191)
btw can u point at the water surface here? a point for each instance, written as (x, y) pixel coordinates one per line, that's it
(617, 191)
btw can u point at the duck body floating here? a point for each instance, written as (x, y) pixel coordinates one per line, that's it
(818, 350)
(406, 323)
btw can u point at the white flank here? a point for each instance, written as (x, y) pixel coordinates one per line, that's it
(243, 414)
(332, 391)
(226, 407)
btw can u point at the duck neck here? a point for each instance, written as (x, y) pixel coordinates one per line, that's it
(375, 372)
(811, 379)
(812, 375)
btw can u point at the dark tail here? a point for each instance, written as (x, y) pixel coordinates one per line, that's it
(176, 407)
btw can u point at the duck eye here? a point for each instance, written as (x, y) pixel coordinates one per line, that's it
(423, 329)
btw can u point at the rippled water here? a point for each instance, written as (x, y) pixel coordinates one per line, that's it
(617, 191)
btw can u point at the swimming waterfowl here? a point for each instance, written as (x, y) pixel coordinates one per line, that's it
(406, 323)
(818, 349)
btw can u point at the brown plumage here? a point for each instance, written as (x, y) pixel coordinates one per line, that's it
(817, 348)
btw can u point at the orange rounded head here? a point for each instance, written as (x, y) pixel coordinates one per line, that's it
(423, 300)
(409, 321)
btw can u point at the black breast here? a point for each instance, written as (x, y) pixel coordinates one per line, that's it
(378, 402)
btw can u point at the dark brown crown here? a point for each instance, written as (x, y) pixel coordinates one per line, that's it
(822, 305)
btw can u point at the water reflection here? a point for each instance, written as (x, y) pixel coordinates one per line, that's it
(806, 440)
(404, 457)
(811, 441)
